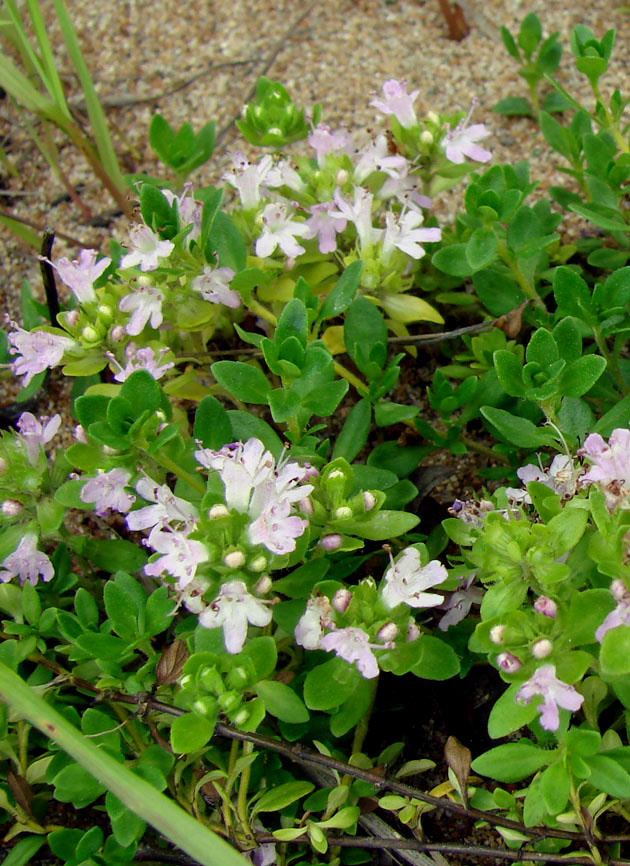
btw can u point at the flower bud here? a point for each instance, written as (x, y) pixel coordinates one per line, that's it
(71, 318)
(508, 663)
(433, 117)
(264, 585)
(618, 589)
(241, 717)
(542, 648)
(546, 606)
(388, 632)
(79, 434)
(259, 563)
(426, 137)
(229, 701)
(336, 473)
(145, 282)
(306, 506)
(413, 632)
(117, 334)
(218, 510)
(205, 705)
(369, 500)
(89, 334)
(105, 312)
(496, 634)
(341, 600)
(343, 512)
(11, 507)
(342, 177)
(234, 559)
(331, 542)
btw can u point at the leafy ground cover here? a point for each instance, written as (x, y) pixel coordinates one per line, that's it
(227, 597)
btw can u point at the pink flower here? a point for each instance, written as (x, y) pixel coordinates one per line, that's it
(405, 581)
(27, 563)
(554, 693)
(81, 274)
(107, 490)
(283, 174)
(398, 102)
(323, 226)
(353, 645)
(189, 210)
(458, 603)
(233, 608)
(146, 249)
(279, 230)
(141, 359)
(37, 432)
(213, 286)
(144, 304)
(38, 351)
(610, 462)
(181, 555)
(621, 614)
(561, 477)
(324, 141)
(276, 528)
(462, 141)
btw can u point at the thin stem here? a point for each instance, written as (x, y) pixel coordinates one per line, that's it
(243, 785)
(170, 465)
(528, 290)
(262, 311)
(349, 377)
(361, 730)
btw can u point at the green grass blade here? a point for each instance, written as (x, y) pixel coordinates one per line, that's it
(20, 88)
(21, 231)
(19, 39)
(142, 798)
(52, 81)
(96, 114)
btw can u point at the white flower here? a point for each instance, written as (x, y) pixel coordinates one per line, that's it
(27, 563)
(107, 490)
(279, 230)
(554, 693)
(181, 556)
(146, 250)
(190, 211)
(283, 174)
(313, 621)
(38, 351)
(376, 157)
(166, 508)
(233, 608)
(322, 225)
(402, 233)
(561, 477)
(213, 285)
(353, 645)
(266, 492)
(80, 274)
(359, 213)
(37, 433)
(324, 141)
(145, 303)
(248, 179)
(406, 580)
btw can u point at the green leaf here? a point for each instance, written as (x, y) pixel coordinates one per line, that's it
(512, 762)
(126, 826)
(453, 260)
(225, 240)
(438, 660)
(342, 293)
(352, 710)
(386, 413)
(246, 426)
(355, 431)
(330, 684)
(518, 431)
(608, 776)
(508, 716)
(23, 851)
(542, 349)
(513, 106)
(615, 652)
(282, 702)
(110, 555)
(242, 381)
(212, 424)
(510, 372)
(282, 796)
(555, 785)
(293, 322)
(481, 248)
(618, 416)
(142, 392)
(75, 785)
(381, 526)
(190, 732)
(579, 376)
(364, 328)
(300, 582)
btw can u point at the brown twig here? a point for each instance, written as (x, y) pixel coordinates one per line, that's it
(458, 29)
(48, 275)
(41, 229)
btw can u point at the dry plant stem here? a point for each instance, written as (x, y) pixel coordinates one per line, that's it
(48, 275)
(458, 29)
(41, 229)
